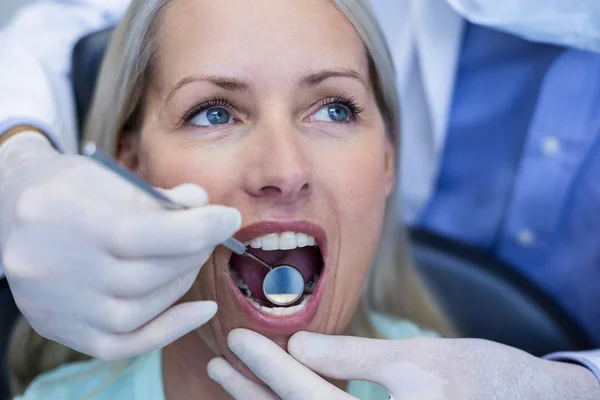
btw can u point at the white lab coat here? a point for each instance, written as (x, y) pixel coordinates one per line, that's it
(424, 37)
(35, 62)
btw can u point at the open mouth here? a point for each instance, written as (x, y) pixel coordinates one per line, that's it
(292, 248)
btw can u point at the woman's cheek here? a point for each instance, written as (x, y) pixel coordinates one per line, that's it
(365, 194)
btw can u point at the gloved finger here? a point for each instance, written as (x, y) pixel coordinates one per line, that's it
(133, 279)
(90, 188)
(100, 185)
(167, 233)
(87, 207)
(106, 185)
(236, 384)
(344, 357)
(174, 323)
(122, 315)
(188, 195)
(285, 375)
(45, 202)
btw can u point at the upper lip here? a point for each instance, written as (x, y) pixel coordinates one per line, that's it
(253, 231)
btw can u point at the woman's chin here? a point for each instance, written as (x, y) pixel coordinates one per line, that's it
(237, 311)
(278, 329)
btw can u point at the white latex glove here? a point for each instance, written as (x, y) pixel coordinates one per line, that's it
(419, 368)
(95, 264)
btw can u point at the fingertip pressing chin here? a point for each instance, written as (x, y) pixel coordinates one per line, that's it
(307, 347)
(217, 369)
(238, 338)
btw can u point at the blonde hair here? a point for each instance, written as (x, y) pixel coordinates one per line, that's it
(393, 287)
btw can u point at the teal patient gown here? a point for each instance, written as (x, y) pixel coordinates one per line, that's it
(140, 378)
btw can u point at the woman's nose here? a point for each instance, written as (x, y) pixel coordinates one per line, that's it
(281, 169)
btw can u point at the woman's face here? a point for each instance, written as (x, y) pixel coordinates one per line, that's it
(267, 104)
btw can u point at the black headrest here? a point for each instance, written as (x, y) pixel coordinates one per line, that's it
(8, 315)
(86, 61)
(488, 299)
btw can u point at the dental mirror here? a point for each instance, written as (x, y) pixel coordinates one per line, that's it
(283, 284)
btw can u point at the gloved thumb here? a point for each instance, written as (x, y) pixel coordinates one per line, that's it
(188, 195)
(341, 357)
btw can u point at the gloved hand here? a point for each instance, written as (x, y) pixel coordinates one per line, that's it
(95, 264)
(419, 368)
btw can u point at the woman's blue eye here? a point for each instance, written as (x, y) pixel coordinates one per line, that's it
(212, 116)
(332, 113)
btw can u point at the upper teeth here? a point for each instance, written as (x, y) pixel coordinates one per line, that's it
(283, 241)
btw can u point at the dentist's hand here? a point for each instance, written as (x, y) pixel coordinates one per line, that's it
(419, 368)
(95, 264)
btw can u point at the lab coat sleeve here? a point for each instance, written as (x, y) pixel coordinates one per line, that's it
(589, 359)
(35, 63)
(562, 22)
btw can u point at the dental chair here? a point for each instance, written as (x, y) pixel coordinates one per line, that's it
(485, 298)
(8, 315)
(87, 60)
(482, 297)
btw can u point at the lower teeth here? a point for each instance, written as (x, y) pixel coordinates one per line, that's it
(281, 311)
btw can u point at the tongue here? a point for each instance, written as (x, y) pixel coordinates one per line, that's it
(306, 259)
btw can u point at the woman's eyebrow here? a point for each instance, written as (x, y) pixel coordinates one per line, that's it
(236, 85)
(225, 82)
(316, 78)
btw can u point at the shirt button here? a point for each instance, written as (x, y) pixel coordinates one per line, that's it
(526, 237)
(550, 146)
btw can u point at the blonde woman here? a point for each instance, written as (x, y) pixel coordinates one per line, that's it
(285, 111)
(282, 110)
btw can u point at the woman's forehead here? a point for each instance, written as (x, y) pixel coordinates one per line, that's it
(257, 38)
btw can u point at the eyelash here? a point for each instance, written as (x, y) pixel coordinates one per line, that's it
(200, 107)
(346, 101)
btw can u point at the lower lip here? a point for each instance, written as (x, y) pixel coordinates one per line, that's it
(288, 324)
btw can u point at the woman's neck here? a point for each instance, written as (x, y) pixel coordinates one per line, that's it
(184, 365)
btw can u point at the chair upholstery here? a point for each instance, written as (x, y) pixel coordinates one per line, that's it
(8, 315)
(86, 62)
(487, 299)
